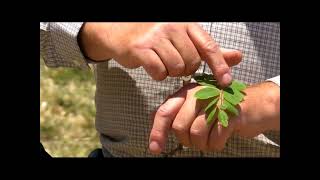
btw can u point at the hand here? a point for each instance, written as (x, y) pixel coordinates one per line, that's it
(259, 112)
(162, 49)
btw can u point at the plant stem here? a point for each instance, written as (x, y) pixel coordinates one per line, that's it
(220, 101)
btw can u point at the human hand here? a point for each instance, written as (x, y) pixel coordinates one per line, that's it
(162, 49)
(259, 112)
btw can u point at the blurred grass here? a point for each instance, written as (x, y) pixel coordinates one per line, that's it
(67, 111)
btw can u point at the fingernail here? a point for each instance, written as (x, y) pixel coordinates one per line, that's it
(155, 147)
(226, 78)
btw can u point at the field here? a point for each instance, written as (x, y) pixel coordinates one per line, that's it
(67, 111)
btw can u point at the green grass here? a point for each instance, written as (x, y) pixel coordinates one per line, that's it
(67, 111)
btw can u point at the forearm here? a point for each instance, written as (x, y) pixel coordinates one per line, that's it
(276, 80)
(260, 110)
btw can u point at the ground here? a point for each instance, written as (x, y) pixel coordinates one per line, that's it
(67, 111)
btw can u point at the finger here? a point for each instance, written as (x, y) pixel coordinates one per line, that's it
(232, 57)
(211, 53)
(200, 131)
(219, 136)
(162, 123)
(170, 57)
(163, 120)
(184, 119)
(153, 65)
(187, 50)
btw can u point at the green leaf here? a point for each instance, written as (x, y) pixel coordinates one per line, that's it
(211, 104)
(235, 93)
(207, 92)
(229, 90)
(231, 108)
(238, 85)
(223, 118)
(231, 98)
(239, 95)
(211, 115)
(224, 105)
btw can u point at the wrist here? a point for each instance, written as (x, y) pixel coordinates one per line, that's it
(273, 105)
(260, 108)
(93, 42)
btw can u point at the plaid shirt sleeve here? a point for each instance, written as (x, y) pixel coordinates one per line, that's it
(59, 46)
(275, 80)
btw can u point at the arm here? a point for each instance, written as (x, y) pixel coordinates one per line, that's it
(162, 49)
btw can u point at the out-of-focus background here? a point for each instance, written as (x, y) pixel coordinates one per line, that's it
(67, 111)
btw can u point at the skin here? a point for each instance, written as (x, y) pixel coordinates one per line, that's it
(162, 49)
(184, 115)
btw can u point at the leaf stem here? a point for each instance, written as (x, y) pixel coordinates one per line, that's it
(220, 101)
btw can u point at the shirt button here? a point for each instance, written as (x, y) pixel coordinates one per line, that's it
(186, 78)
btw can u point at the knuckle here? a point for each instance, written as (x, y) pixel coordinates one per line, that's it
(148, 66)
(197, 58)
(144, 42)
(179, 128)
(156, 72)
(176, 70)
(179, 67)
(156, 134)
(220, 70)
(135, 63)
(196, 132)
(136, 45)
(135, 66)
(170, 27)
(159, 76)
(220, 148)
(164, 111)
(216, 147)
(161, 40)
(211, 46)
(203, 148)
(192, 67)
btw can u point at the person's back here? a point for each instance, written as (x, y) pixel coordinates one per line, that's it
(126, 98)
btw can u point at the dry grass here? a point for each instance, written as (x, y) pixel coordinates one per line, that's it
(67, 111)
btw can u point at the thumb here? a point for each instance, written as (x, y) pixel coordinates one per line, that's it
(164, 118)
